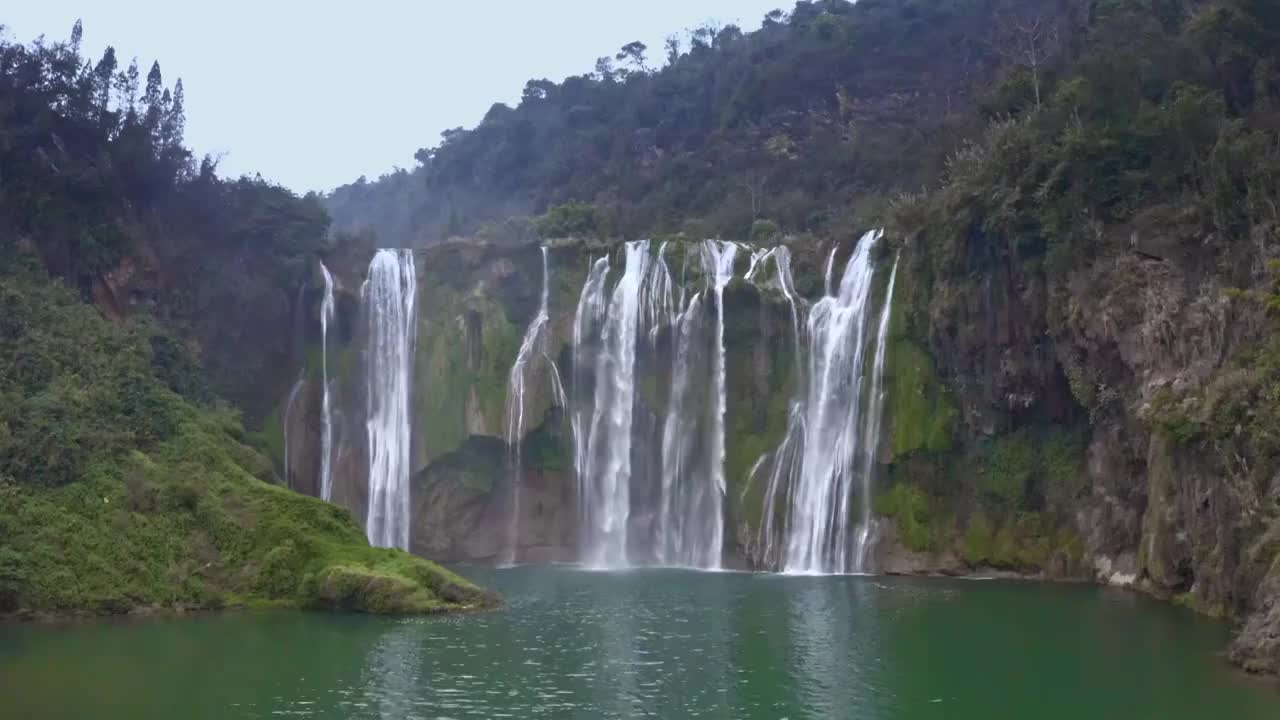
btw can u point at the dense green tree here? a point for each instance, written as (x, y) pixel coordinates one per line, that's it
(91, 187)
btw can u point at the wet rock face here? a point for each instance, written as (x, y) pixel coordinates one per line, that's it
(989, 330)
(1112, 515)
(1139, 332)
(463, 506)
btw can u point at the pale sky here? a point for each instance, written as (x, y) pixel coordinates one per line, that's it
(314, 94)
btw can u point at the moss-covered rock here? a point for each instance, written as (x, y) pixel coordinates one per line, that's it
(920, 413)
(476, 302)
(187, 525)
(148, 498)
(920, 527)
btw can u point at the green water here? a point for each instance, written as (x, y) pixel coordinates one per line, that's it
(660, 644)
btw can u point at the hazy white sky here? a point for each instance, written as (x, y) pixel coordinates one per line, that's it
(315, 94)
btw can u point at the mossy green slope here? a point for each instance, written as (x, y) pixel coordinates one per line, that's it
(142, 499)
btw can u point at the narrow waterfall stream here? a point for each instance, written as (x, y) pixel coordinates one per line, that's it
(533, 348)
(587, 320)
(327, 311)
(391, 299)
(718, 262)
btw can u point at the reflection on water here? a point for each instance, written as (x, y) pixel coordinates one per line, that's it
(833, 656)
(392, 672)
(655, 643)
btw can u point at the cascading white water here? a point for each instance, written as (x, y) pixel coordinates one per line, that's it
(660, 308)
(587, 319)
(532, 347)
(390, 295)
(607, 474)
(690, 527)
(871, 429)
(781, 256)
(327, 311)
(818, 529)
(678, 518)
(718, 261)
(819, 473)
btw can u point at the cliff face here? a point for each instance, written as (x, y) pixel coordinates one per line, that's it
(1155, 371)
(475, 302)
(1191, 515)
(1030, 422)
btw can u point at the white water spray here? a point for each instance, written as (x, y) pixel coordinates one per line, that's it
(838, 450)
(592, 305)
(678, 517)
(391, 298)
(871, 432)
(327, 311)
(718, 259)
(607, 472)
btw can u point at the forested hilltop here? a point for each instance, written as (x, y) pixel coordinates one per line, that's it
(126, 272)
(806, 124)
(1083, 376)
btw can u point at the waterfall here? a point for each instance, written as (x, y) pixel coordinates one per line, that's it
(606, 478)
(838, 441)
(690, 528)
(718, 258)
(871, 433)
(660, 308)
(586, 324)
(781, 256)
(327, 312)
(532, 347)
(677, 514)
(391, 298)
(650, 465)
(784, 460)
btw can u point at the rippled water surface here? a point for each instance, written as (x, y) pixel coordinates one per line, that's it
(656, 644)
